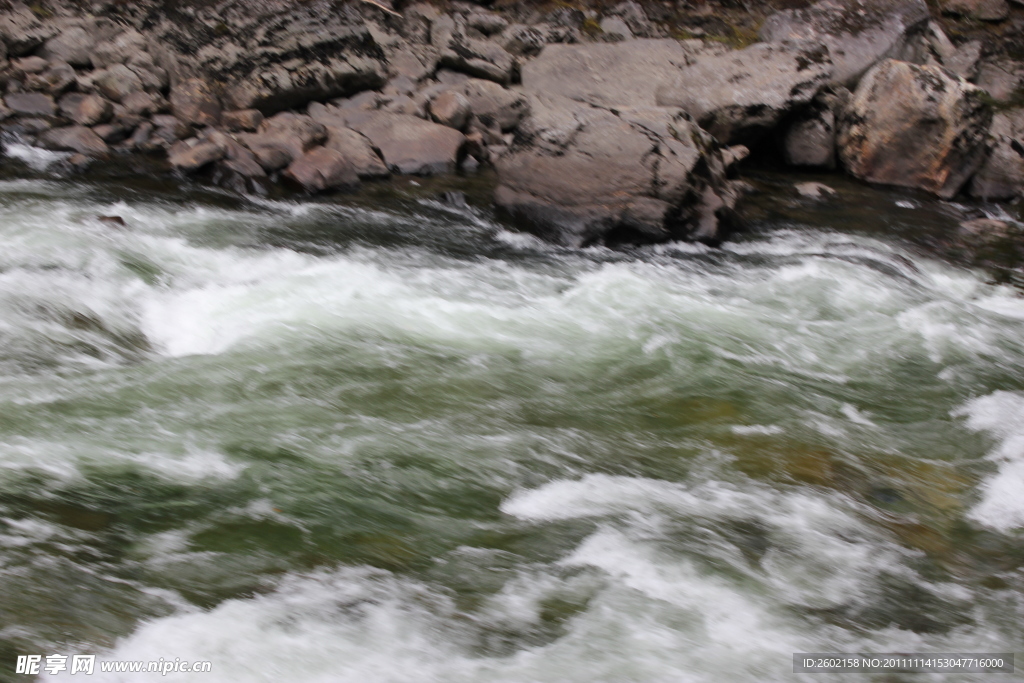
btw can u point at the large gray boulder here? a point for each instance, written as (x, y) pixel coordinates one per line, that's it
(73, 45)
(473, 56)
(607, 74)
(857, 33)
(408, 144)
(356, 148)
(579, 174)
(322, 168)
(1002, 174)
(739, 96)
(914, 126)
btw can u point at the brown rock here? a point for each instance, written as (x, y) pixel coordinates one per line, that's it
(74, 139)
(190, 158)
(116, 82)
(322, 169)
(55, 79)
(143, 103)
(450, 109)
(986, 10)
(86, 110)
(409, 145)
(29, 65)
(30, 103)
(242, 119)
(194, 102)
(914, 126)
(357, 149)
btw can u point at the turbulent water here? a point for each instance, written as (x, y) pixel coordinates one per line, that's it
(319, 442)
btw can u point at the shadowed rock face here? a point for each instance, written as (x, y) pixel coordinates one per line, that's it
(578, 174)
(1002, 174)
(857, 33)
(914, 126)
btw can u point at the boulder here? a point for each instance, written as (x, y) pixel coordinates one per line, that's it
(242, 119)
(408, 144)
(495, 105)
(193, 101)
(143, 103)
(914, 126)
(986, 10)
(739, 96)
(809, 139)
(86, 110)
(606, 74)
(1002, 174)
(189, 158)
(30, 104)
(486, 22)
(577, 175)
(1003, 79)
(274, 88)
(72, 45)
(118, 50)
(74, 139)
(450, 109)
(356, 148)
(283, 138)
(857, 33)
(55, 79)
(473, 56)
(322, 168)
(21, 31)
(116, 82)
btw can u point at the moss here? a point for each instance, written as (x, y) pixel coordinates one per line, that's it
(40, 11)
(591, 27)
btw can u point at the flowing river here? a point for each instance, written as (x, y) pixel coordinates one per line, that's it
(340, 442)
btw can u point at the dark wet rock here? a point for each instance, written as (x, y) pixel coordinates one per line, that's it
(1002, 174)
(85, 109)
(111, 133)
(453, 198)
(606, 74)
(74, 139)
(450, 109)
(242, 119)
(193, 101)
(408, 144)
(322, 169)
(116, 82)
(914, 126)
(191, 157)
(739, 96)
(579, 174)
(112, 220)
(72, 45)
(857, 33)
(30, 103)
(140, 137)
(986, 10)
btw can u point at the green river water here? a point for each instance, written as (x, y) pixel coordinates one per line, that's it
(376, 441)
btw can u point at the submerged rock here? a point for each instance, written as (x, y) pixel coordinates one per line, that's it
(914, 126)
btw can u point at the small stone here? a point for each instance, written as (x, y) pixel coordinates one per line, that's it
(30, 103)
(242, 119)
(986, 229)
(29, 65)
(812, 190)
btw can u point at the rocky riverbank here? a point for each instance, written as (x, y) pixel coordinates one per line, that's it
(624, 123)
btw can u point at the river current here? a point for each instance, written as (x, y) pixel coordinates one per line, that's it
(339, 442)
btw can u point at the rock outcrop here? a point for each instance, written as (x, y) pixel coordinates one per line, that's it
(914, 126)
(1002, 174)
(857, 33)
(579, 174)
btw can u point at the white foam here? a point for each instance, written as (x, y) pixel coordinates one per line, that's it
(1001, 414)
(35, 157)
